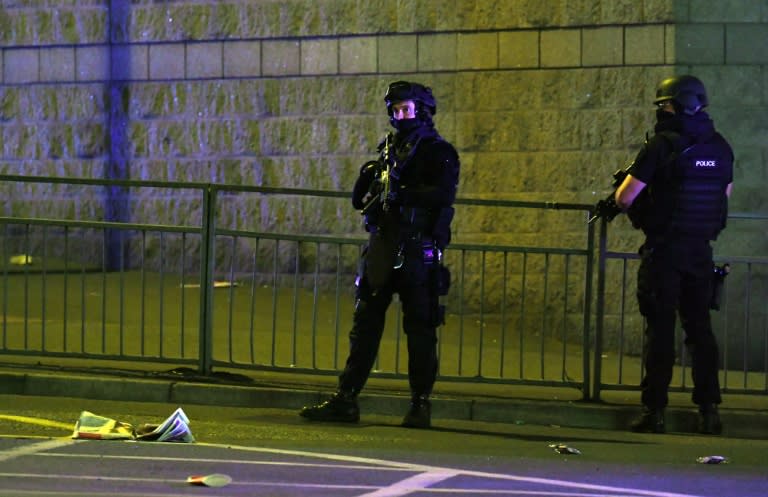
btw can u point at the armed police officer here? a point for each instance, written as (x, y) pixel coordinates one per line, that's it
(406, 198)
(677, 193)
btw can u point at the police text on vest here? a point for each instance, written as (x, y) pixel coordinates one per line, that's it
(706, 163)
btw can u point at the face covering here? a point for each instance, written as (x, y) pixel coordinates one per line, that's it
(406, 125)
(662, 115)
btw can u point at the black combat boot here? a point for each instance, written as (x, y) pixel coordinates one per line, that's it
(709, 420)
(341, 408)
(419, 414)
(650, 421)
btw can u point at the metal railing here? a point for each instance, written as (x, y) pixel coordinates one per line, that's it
(213, 295)
(740, 325)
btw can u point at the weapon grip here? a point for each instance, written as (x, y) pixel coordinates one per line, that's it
(607, 207)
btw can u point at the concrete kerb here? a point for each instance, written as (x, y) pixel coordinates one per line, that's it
(739, 423)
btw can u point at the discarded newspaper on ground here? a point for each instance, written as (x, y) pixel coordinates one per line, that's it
(175, 428)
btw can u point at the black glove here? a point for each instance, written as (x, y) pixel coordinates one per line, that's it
(369, 169)
(366, 185)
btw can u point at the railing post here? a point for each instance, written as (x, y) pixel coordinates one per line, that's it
(600, 307)
(207, 255)
(585, 395)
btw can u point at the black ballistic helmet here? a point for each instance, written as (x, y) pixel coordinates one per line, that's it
(686, 92)
(403, 90)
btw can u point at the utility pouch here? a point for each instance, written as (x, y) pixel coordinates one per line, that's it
(718, 281)
(443, 280)
(429, 253)
(439, 318)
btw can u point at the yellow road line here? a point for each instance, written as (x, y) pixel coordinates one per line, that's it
(38, 421)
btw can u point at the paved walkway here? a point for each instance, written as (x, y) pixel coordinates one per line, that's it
(744, 416)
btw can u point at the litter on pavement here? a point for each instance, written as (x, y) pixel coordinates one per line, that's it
(212, 480)
(175, 428)
(712, 460)
(564, 449)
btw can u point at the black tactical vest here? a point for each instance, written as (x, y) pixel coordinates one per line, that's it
(691, 202)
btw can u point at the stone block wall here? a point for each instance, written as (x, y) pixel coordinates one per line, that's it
(543, 99)
(289, 93)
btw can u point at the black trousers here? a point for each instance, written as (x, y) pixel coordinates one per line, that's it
(676, 278)
(414, 283)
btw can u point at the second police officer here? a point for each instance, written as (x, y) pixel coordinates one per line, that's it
(677, 193)
(406, 197)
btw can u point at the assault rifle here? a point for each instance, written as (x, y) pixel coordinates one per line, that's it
(381, 224)
(607, 208)
(382, 185)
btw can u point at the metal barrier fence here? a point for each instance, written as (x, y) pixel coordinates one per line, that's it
(215, 296)
(740, 325)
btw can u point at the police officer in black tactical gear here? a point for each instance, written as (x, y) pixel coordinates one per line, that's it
(677, 192)
(406, 199)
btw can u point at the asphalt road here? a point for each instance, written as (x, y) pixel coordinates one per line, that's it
(273, 452)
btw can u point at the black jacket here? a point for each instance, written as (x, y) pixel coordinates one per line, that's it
(424, 180)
